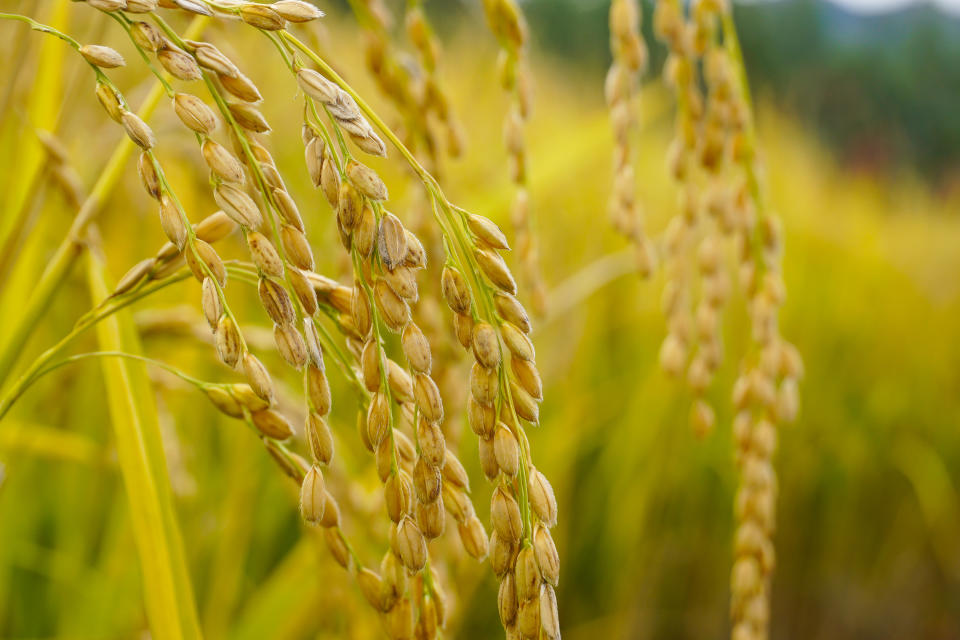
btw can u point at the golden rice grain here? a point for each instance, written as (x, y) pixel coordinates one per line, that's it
(228, 340)
(179, 64)
(257, 376)
(240, 86)
(272, 424)
(102, 56)
(137, 130)
(312, 496)
(261, 16)
(238, 205)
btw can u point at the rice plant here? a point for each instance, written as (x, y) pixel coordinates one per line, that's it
(340, 314)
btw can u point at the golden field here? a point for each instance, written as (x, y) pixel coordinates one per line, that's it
(868, 511)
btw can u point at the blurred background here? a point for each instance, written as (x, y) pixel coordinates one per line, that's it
(857, 118)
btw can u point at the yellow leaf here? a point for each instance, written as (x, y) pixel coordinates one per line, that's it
(167, 592)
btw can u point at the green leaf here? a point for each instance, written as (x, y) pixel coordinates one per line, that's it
(168, 595)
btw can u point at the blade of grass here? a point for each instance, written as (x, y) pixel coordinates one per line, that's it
(44, 110)
(168, 594)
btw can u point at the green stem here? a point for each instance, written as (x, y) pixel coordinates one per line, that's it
(15, 391)
(115, 354)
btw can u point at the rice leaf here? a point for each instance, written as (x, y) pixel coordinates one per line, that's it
(167, 592)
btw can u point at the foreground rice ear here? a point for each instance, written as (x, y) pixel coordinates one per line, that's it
(367, 329)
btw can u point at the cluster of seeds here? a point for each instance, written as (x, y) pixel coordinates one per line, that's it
(509, 26)
(434, 96)
(697, 286)
(629, 60)
(411, 85)
(417, 477)
(722, 212)
(714, 160)
(200, 256)
(523, 508)
(402, 408)
(230, 183)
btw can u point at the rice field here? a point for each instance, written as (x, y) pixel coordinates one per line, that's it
(154, 499)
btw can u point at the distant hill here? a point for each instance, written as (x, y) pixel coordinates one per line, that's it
(883, 90)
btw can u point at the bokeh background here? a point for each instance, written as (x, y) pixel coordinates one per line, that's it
(857, 118)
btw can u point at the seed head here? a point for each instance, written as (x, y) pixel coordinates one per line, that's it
(272, 424)
(172, 222)
(111, 101)
(194, 113)
(229, 341)
(542, 500)
(494, 267)
(137, 130)
(258, 377)
(397, 494)
(391, 241)
(296, 10)
(290, 345)
(147, 36)
(545, 552)
(505, 515)
(507, 604)
(432, 443)
(411, 547)
(261, 16)
(416, 348)
(240, 86)
(312, 496)
(455, 290)
(527, 575)
(549, 616)
(203, 260)
(486, 347)
(238, 205)
(394, 311)
(507, 450)
(223, 401)
(487, 231)
(102, 56)
(371, 586)
(329, 178)
(318, 390)
(179, 64)
(214, 227)
(338, 548)
(474, 537)
(221, 162)
(510, 309)
(430, 518)
(276, 301)
(366, 180)
(428, 397)
(488, 459)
